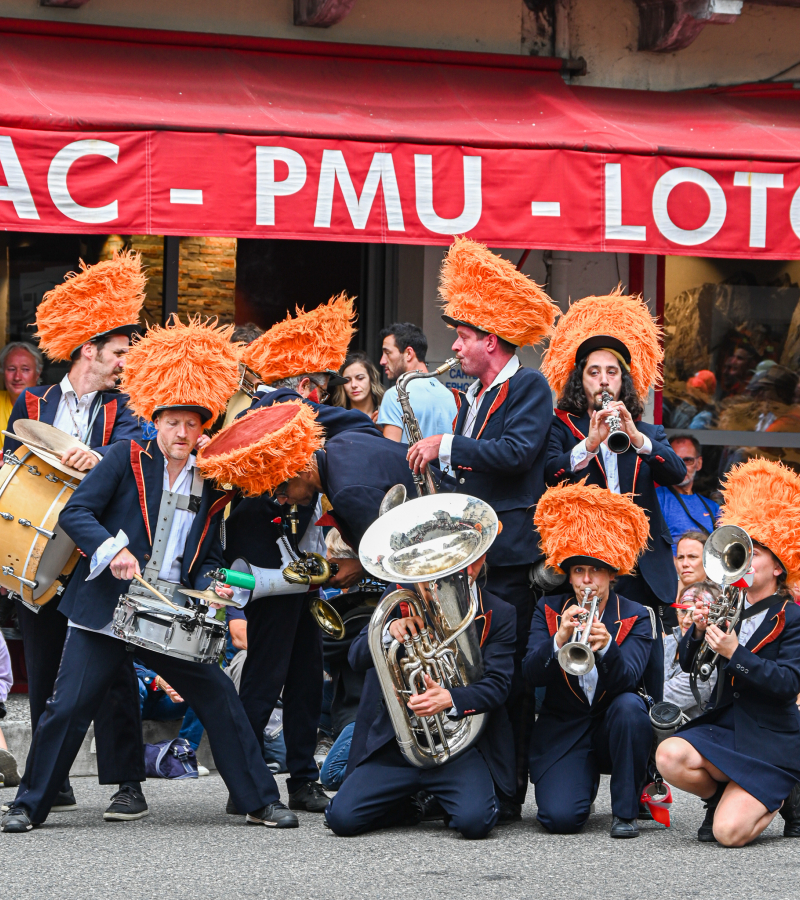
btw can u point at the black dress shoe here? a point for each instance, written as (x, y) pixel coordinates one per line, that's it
(16, 821)
(431, 808)
(230, 808)
(274, 815)
(508, 811)
(126, 805)
(790, 811)
(705, 832)
(65, 800)
(310, 797)
(624, 828)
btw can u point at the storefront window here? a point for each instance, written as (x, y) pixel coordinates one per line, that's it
(732, 359)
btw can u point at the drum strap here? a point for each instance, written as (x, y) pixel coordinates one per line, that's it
(170, 502)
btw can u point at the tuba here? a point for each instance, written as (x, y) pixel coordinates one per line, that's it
(727, 556)
(428, 542)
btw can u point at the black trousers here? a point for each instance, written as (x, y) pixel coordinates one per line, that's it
(618, 744)
(89, 662)
(510, 583)
(284, 651)
(635, 588)
(117, 722)
(371, 796)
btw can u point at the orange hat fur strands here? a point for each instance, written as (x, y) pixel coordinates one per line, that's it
(481, 289)
(263, 448)
(194, 366)
(616, 315)
(100, 299)
(763, 497)
(587, 520)
(314, 341)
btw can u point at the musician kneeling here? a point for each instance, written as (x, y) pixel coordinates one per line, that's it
(743, 757)
(595, 722)
(379, 780)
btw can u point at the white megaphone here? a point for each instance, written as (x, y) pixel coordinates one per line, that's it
(250, 582)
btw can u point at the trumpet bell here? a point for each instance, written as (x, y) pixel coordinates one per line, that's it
(327, 618)
(428, 538)
(576, 658)
(727, 554)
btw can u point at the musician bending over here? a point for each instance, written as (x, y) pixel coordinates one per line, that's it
(380, 780)
(148, 509)
(743, 757)
(593, 719)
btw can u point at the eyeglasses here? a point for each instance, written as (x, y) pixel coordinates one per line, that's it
(280, 491)
(688, 460)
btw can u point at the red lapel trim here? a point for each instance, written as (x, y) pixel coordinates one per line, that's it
(109, 417)
(327, 520)
(457, 395)
(780, 624)
(636, 473)
(216, 506)
(583, 699)
(487, 624)
(32, 405)
(564, 416)
(552, 619)
(496, 404)
(136, 465)
(625, 626)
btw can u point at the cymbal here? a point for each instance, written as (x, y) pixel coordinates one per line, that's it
(48, 443)
(208, 595)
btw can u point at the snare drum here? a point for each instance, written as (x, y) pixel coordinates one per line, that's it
(34, 551)
(157, 627)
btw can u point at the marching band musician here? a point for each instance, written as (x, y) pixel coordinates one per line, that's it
(297, 358)
(180, 377)
(595, 722)
(609, 346)
(88, 320)
(379, 782)
(743, 757)
(499, 443)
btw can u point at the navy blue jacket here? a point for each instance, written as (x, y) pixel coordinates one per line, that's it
(123, 491)
(114, 422)
(503, 462)
(334, 419)
(637, 474)
(761, 682)
(566, 716)
(357, 468)
(497, 623)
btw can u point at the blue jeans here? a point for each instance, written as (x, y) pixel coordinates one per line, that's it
(332, 772)
(158, 707)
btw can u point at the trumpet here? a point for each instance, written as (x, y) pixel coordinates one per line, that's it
(618, 440)
(576, 656)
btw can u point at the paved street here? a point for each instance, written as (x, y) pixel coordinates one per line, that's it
(188, 849)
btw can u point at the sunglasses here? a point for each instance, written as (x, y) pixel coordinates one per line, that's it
(688, 460)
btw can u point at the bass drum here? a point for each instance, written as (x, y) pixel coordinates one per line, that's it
(36, 556)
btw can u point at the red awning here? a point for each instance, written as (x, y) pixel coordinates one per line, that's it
(151, 135)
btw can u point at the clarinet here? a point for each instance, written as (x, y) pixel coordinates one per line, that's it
(618, 440)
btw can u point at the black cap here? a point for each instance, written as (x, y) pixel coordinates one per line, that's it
(128, 330)
(184, 407)
(585, 561)
(456, 322)
(334, 378)
(602, 342)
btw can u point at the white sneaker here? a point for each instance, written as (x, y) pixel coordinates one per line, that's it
(202, 770)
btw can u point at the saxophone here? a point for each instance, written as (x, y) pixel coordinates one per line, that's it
(428, 541)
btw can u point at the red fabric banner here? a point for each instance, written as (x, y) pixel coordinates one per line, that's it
(186, 183)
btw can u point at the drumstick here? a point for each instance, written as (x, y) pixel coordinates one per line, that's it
(29, 444)
(154, 591)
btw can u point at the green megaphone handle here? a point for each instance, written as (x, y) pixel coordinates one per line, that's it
(236, 579)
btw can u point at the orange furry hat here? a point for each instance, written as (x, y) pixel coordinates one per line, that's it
(763, 497)
(618, 316)
(263, 448)
(585, 520)
(100, 299)
(314, 341)
(487, 292)
(193, 366)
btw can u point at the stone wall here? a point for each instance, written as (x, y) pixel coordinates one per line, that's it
(207, 274)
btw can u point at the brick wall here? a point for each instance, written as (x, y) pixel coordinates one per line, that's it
(207, 274)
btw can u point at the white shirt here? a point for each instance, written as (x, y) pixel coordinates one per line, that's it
(73, 412)
(471, 396)
(580, 458)
(588, 682)
(750, 625)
